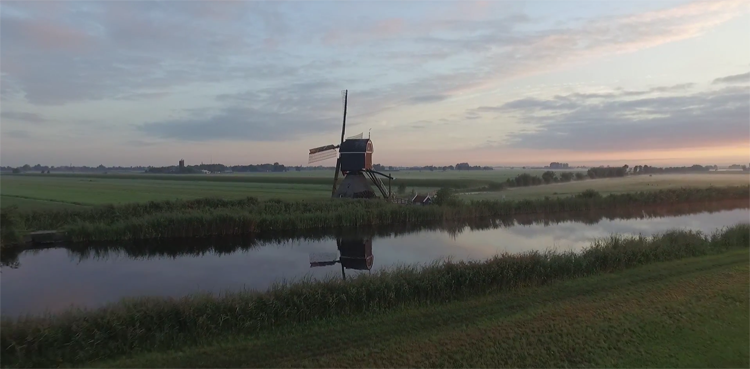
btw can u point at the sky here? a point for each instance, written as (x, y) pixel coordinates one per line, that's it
(433, 82)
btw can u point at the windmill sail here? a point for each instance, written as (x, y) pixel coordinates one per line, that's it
(322, 153)
(323, 259)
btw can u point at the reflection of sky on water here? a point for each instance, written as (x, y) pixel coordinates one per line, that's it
(55, 279)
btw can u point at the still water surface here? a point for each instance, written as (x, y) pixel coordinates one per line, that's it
(55, 279)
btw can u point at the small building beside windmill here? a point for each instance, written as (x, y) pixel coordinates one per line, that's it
(421, 199)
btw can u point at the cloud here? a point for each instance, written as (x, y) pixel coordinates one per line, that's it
(109, 50)
(119, 50)
(17, 134)
(709, 118)
(237, 123)
(575, 100)
(527, 104)
(737, 78)
(260, 71)
(272, 114)
(427, 99)
(23, 117)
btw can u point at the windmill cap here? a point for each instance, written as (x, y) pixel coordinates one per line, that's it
(356, 145)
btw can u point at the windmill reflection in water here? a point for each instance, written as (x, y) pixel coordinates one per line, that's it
(354, 253)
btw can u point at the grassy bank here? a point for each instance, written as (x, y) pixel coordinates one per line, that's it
(687, 313)
(142, 325)
(202, 217)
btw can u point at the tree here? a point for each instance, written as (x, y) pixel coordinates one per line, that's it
(548, 177)
(446, 196)
(580, 176)
(566, 177)
(401, 188)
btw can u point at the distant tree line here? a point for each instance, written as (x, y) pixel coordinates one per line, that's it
(645, 169)
(548, 177)
(68, 168)
(607, 172)
(432, 168)
(556, 165)
(219, 168)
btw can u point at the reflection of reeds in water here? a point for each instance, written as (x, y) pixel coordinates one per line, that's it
(144, 324)
(198, 246)
(9, 260)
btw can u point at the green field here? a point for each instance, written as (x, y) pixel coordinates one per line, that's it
(59, 190)
(97, 191)
(618, 185)
(689, 313)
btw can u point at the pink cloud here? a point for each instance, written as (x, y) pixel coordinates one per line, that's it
(48, 35)
(388, 27)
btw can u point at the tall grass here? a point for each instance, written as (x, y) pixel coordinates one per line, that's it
(10, 227)
(146, 324)
(202, 217)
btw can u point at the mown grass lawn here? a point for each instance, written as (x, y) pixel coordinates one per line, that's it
(687, 313)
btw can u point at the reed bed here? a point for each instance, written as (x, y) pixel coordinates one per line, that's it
(10, 228)
(217, 245)
(217, 217)
(146, 324)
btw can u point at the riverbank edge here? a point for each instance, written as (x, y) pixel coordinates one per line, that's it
(148, 324)
(690, 312)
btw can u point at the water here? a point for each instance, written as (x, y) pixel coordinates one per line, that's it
(92, 275)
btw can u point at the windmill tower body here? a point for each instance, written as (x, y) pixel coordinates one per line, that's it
(354, 253)
(355, 164)
(356, 157)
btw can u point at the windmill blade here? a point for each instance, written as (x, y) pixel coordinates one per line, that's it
(345, 95)
(356, 137)
(323, 259)
(321, 155)
(323, 148)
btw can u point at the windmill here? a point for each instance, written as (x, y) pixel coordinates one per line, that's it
(354, 161)
(354, 253)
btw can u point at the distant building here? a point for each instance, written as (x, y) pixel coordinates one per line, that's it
(182, 165)
(556, 165)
